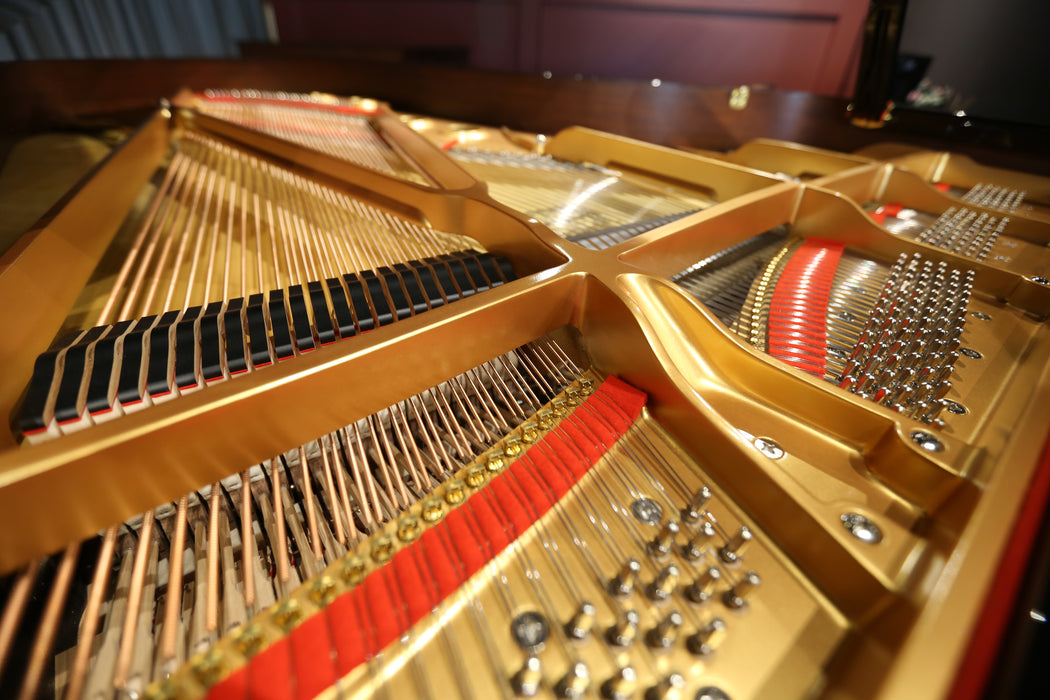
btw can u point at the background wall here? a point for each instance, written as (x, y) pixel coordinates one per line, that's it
(808, 45)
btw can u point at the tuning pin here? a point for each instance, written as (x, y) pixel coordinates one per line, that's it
(734, 549)
(946, 369)
(666, 631)
(952, 345)
(865, 383)
(621, 685)
(932, 411)
(581, 623)
(575, 681)
(622, 634)
(916, 409)
(670, 687)
(736, 597)
(708, 638)
(663, 585)
(941, 390)
(695, 549)
(704, 585)
(623, 583)
(691, 513)
(664, 540)
(526, 682)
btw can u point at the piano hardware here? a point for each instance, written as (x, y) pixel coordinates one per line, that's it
(961, 178)
(454, 523)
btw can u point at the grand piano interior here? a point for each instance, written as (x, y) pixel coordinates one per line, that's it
(438, 381)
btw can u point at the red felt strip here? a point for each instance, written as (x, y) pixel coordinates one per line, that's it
(942, 187)
(562, 466)
(612, 421)
(366, 627)
(429, 586)
(597, 432)
(363, 621)
(489, 522)
(445, 536)
(800, 331)
(382, 608)
(584, 443)
(390, 629)
(439, 561)
(598, 427)
(798, 323)
(233, 687)
(531, 511)
(621, 414)
(470, 517)
(622, 395)
(515, 512)
(410, 584)
(270, 673)
(466, 545)
(567, 453)
(530, 490)
(892, 208)
(346, 632)
(548, 474)
(311, 649)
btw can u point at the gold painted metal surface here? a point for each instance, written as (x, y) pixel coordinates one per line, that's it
(793, 160)
(963, 172)
(836, 615)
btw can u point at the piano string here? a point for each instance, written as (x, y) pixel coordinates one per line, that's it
(228, 237)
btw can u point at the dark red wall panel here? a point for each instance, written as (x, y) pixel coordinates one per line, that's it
(701, 49)
(790, 44)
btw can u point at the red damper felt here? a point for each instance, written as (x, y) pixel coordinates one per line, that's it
(490, 523)
(581, 443)
(410, 586)
(441, 567)
(568, 455)
(311, 649)
(270, 673)
(510, 505)
(800, 303)
(233, 687)
(467, 546)
(346, 632)
(549, 474)
(430, 587)
(363, 621)
(534, 491)
(385, 609)
(629, 399)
